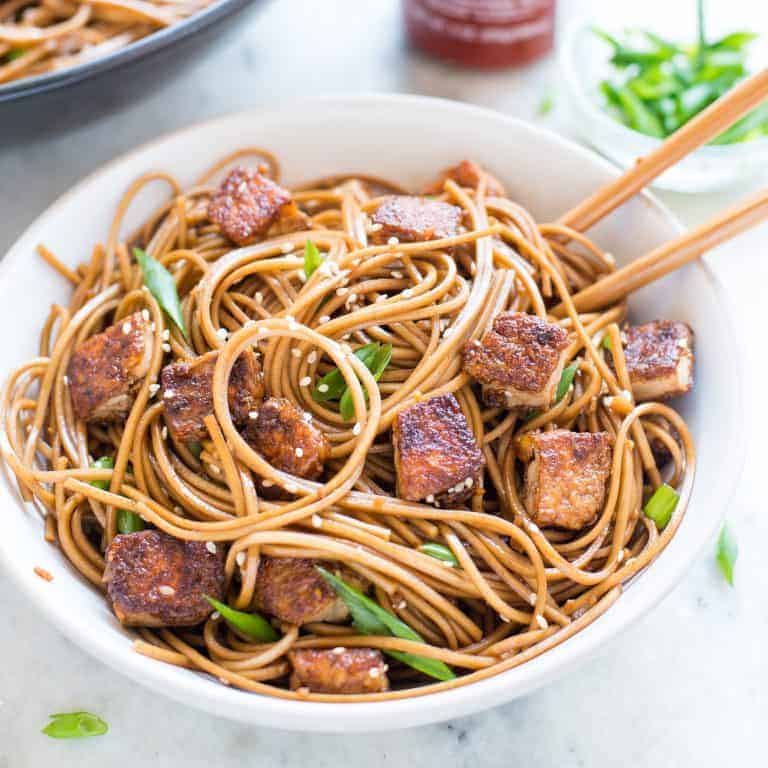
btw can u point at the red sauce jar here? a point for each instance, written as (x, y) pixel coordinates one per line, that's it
(487, 34)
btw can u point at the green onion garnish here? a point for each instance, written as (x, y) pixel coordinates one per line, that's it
(252, 625)
(370, 618)
(377, 367)
(439, 552)
(546, 104)
(127, 521)
(75, 725)
(566, 379)
(195, 449)
(661, 505)
(105, 462)
(312, 258)
(162, 286)
(606, 342)
(727, 552)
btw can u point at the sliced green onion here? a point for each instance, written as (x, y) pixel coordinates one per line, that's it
(129, 522)
(253, 625)
(332, 385)
(195, 449)
(162, 286)
(312, 258)
(727, 552)
(661, 505)
(566, 379)
(439, 552)
(606, 342)
(75, 725)
(105, 462)
(370, 618)
(377, 366)
(546, 104)
(14, 54)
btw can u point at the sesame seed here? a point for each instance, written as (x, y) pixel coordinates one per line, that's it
(381, 297)
(339, 649)
(267, 483)
(145, 315)
(374, 672)
(307, 416)
(211, 547)
(222, 333)
(258, 297)
(322, 388)
(299, 453)
(430, 499)
(312, 357)
(215, 615)
(164, 589)
(253, 415)
(375, 227)
(126, 327)
(168, 394)
(165, 335)
(292, 324)
(152, 327)
(287, 247)
(317, 521)
(402, 605)
(291, 488)
(240, 558)
(621, 555)
(408, 293)
(469, 482)
(342, 291)
(541, 621)
(296, 352)
(357, 428)
(164, 433)
(393, 241)
(532, 598)
(66, 381)
(323, 319)
(243, 188)
(305, 382)
(178, 510)
(166, 347)
(397, 274)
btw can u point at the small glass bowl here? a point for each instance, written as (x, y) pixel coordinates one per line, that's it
(583, 64)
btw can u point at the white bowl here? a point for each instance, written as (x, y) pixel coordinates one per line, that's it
(583, 60)
(407, 139)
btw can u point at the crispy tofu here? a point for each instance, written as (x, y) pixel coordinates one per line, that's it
(106, 370)
(437, 458)
(518, 362)
(414, 219)
(287, 439)
(292, 589)
(246, 205)
(467, 174)
(566, 481)
(339, 670)
(187, 393)
(156, 580)
(290, 218)
(659, 358)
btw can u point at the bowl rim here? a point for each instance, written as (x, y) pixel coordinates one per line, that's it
(193, 688)
(144, 47)
(576, 86)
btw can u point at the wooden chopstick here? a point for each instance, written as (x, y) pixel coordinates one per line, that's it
(705, 126)
(670, 256)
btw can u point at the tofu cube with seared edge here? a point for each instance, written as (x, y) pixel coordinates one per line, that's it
(106, 370)
(414, 219)
(287, 439)
(156, 580)
(247, 204)
(518, 362)
(339, 670)
(565, 484)
(187, 393)
(468, 174)
(437, 458)
(659, 358)
(293, 590)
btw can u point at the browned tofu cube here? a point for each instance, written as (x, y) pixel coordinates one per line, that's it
(246, 204)
(414, 219)
(106, 370)
(339, 670)
(565, 482)
(290, 219)
(659, 358)
(518, 362)
(287, 439)
(468, 174)
(292, 589)
(436, 455)
(187, 393)
(156, 580)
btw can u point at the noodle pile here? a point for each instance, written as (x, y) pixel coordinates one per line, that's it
(518, 590)
(42, 36)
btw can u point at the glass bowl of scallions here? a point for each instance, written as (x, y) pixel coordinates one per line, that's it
(628, 89)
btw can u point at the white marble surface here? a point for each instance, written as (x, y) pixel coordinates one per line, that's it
(686, 686)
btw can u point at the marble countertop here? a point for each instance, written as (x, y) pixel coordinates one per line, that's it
(685, 686)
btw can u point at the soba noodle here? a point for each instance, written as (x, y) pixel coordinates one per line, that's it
(518, 590)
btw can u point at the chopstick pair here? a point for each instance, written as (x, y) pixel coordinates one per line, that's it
(689, 246)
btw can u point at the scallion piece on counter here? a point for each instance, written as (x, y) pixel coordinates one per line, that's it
(439, 552)
(252, 625)
(370, 618)
(75, 725)
(162, 286)
(661, 505)
(312, 258)
(727, 552)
